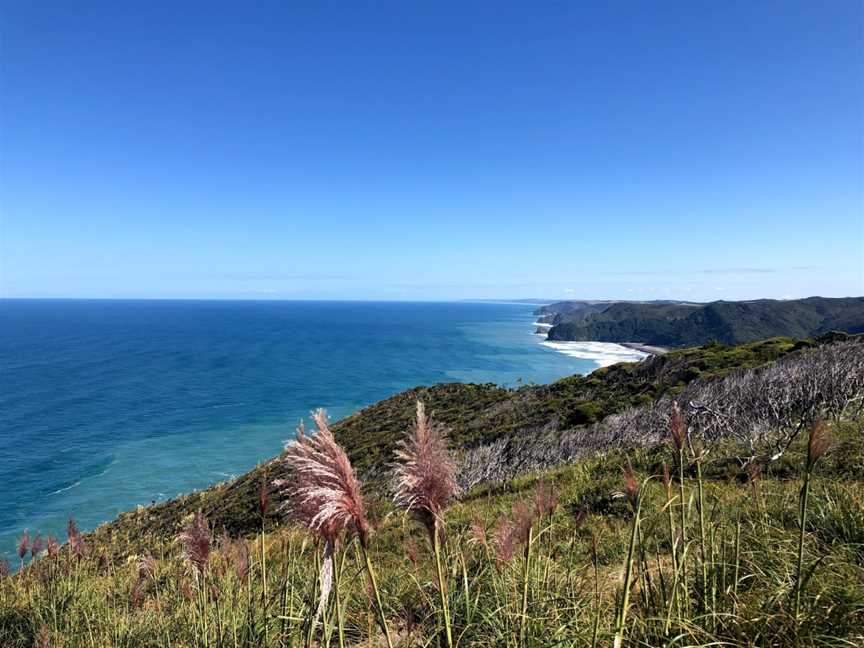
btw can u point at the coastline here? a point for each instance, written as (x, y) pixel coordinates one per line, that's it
(646, 348)
(603, 354)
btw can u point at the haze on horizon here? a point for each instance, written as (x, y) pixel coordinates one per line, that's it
(458, 150)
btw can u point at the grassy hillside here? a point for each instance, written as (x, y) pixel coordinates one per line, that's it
(673, 324)
(474, 413)
(540, 560)
(568, 584)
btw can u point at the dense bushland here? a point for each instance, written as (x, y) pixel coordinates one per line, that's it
(679, 324)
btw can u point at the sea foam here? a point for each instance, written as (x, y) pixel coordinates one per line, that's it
(603, 353)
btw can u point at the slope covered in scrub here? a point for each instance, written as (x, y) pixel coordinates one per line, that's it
(475, 414)
(683, 324)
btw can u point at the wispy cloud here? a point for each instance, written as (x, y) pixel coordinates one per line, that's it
(308, 276)
(732, 270)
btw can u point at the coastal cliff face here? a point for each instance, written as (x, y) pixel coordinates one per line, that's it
(679, 324)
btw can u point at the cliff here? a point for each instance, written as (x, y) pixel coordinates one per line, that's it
(680, 324)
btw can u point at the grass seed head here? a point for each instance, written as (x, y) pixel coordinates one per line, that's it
(677, 427)
(513, 531)
(263, 497)
(479, 532)
(147, 567)
(579, 518)
(505, 539)
(754, 476)
(53, 547)
(819, 442)
(667, 479)
(240, 560)
(37, 546)
(137, 595)
(186, 590)
(323, 493)
(631, 483)
(76, 540)
(424, 477)
(23, 544)
(71, 529)
(196, 541)
(545, 499)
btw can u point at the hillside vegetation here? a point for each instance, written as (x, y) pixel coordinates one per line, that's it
(681, 324)
(475, 414)
(677, 535)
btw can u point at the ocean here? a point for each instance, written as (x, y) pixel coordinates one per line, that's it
(106, 405)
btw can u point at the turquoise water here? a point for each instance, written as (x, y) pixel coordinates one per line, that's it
(105, 405)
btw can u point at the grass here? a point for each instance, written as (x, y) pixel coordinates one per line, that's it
(473, 413)
(595, 570)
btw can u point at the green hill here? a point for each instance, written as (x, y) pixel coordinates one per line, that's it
(714, 554)
(681, 325)
(475, 414)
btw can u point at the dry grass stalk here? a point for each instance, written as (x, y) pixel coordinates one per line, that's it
(23, 545)
(425, 475)
(323, 493)
(53, 547)
(424, 483)
(818, 443)
(677, 427)
(76, 540)
(631, 484)
(479, 532)
(240, 560)
(37, 546)
(513, 532)
(147, 567)
(545, 499)
(197, 541)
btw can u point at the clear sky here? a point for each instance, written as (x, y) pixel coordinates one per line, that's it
(432, 150)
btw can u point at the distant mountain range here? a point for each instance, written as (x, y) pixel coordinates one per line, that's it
(681, 324)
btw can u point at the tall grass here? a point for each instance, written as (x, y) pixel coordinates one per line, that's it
(529, 563)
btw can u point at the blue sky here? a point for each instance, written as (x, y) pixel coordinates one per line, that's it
(403, 150)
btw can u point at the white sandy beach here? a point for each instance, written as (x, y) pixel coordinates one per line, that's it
(603, 353)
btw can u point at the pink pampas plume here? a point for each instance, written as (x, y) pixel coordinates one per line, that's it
(196, 542)
(23, 545)
(323, 494)
(424, 477)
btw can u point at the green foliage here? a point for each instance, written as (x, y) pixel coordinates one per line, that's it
(721, 322)
(739, 593)
(474, 413)
(747, 602)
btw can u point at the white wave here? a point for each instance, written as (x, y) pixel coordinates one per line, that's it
(69, 487)
(603, 353)
(543, 324)
(226, 405)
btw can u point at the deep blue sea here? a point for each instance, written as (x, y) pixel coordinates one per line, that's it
(105, 405)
